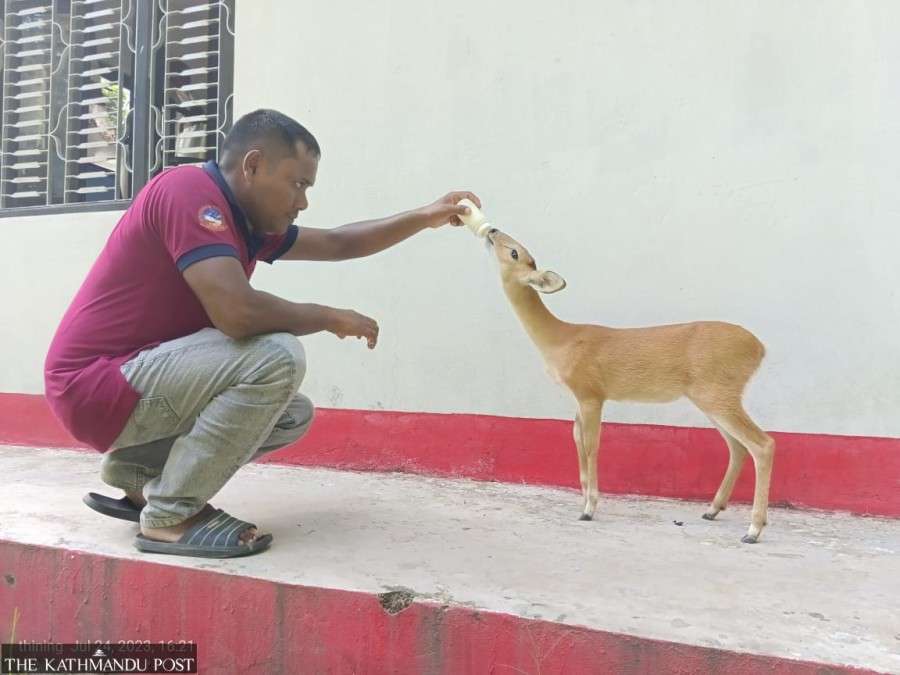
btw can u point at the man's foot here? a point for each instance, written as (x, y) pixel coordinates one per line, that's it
(136, 498)
(213, 534)
(174, 533)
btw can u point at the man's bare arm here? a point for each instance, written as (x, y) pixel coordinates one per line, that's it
(239, 310)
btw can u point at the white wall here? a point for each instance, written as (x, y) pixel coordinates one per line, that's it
(674, 161)
(45, 260)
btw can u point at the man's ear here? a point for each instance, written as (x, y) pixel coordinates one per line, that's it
(545, 281)
(251, 162)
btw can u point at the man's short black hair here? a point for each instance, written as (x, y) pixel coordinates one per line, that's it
(272, 128)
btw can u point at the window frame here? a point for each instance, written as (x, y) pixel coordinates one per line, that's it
(146, 115)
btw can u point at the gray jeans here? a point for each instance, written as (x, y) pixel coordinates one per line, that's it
(209, 404)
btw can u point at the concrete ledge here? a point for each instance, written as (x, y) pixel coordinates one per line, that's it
(847, 473)
(503, 579)
(242, 625)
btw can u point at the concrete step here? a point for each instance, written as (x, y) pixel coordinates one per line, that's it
(501, 577)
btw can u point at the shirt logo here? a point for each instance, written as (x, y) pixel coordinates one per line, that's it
(211, 218)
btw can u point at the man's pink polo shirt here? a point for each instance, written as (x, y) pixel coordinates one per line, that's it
(135, 296)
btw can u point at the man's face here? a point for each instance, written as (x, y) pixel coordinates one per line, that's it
(278, 190)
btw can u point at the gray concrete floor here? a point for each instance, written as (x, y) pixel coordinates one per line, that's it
(819, 586)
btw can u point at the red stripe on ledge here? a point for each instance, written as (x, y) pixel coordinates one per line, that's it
(58, 595)
(851, 473)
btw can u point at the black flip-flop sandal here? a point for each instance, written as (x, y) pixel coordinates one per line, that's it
(216, 536)
(123, 509)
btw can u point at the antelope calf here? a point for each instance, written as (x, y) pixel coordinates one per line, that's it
(706, 361)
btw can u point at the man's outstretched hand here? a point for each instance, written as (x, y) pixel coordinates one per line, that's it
(445, 210)
(347, 323)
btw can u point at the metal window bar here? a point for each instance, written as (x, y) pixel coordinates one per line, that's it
(99, 101)
(27, 102)
(188, 87)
